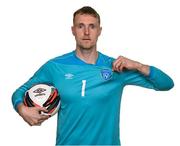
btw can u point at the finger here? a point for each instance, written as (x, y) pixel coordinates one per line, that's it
(42, 109)
(39, 110)
(38, 124)
(41, 121)
(33, 122)
(118, 59)
(114, 64)
(118, 65)
(41, 114)
(113, 67)
(44, 117)
(122, 66)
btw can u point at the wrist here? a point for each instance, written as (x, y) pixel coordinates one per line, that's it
(139, 66)
(20, 108)
(144, 69)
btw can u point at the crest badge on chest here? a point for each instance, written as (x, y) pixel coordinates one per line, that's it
(106, 74)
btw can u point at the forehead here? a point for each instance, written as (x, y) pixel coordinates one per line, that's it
(85, 18)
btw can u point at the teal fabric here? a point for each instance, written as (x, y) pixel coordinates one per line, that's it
(90, 96)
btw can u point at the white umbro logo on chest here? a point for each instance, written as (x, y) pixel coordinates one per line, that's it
(68, 76)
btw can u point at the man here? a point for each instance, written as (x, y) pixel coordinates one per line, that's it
(90, 85)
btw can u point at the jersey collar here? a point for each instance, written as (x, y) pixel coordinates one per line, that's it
(79, 61)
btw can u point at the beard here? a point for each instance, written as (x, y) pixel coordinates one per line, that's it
(86, 45)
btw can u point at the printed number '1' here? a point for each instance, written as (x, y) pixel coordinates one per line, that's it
(83, 88)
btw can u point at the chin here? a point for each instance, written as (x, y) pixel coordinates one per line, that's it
(86, 47)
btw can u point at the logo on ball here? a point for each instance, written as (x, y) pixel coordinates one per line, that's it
(39, 92)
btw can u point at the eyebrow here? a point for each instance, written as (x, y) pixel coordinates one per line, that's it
(81, 23)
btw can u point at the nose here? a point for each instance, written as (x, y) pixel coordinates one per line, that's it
(86, 31)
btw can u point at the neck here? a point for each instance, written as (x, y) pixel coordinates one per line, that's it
(87, 55)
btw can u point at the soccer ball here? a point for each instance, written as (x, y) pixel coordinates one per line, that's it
(43, 95)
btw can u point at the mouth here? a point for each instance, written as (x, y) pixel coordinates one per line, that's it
(86, 39)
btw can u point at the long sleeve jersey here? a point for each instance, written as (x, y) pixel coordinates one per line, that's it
(90, 96)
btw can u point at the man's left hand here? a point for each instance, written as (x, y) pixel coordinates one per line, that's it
(122, 63)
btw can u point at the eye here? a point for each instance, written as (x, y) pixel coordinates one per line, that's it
(80, 26)
(92, 26)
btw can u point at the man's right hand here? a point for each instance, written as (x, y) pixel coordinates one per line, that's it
(32, 115)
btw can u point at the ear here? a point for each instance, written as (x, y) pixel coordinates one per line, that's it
(72, 29)
(100, 31)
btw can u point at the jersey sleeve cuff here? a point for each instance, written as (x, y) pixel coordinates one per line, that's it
(151, 74)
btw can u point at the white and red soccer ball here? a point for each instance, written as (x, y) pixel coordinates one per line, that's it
(43, 95)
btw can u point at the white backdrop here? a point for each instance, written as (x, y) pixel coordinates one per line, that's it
(32, 32)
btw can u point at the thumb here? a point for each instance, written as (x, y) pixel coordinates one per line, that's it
(113, 66)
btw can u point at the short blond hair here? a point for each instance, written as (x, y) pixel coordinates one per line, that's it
(87, 10)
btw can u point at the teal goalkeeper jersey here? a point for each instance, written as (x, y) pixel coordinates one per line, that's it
(90, 96)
